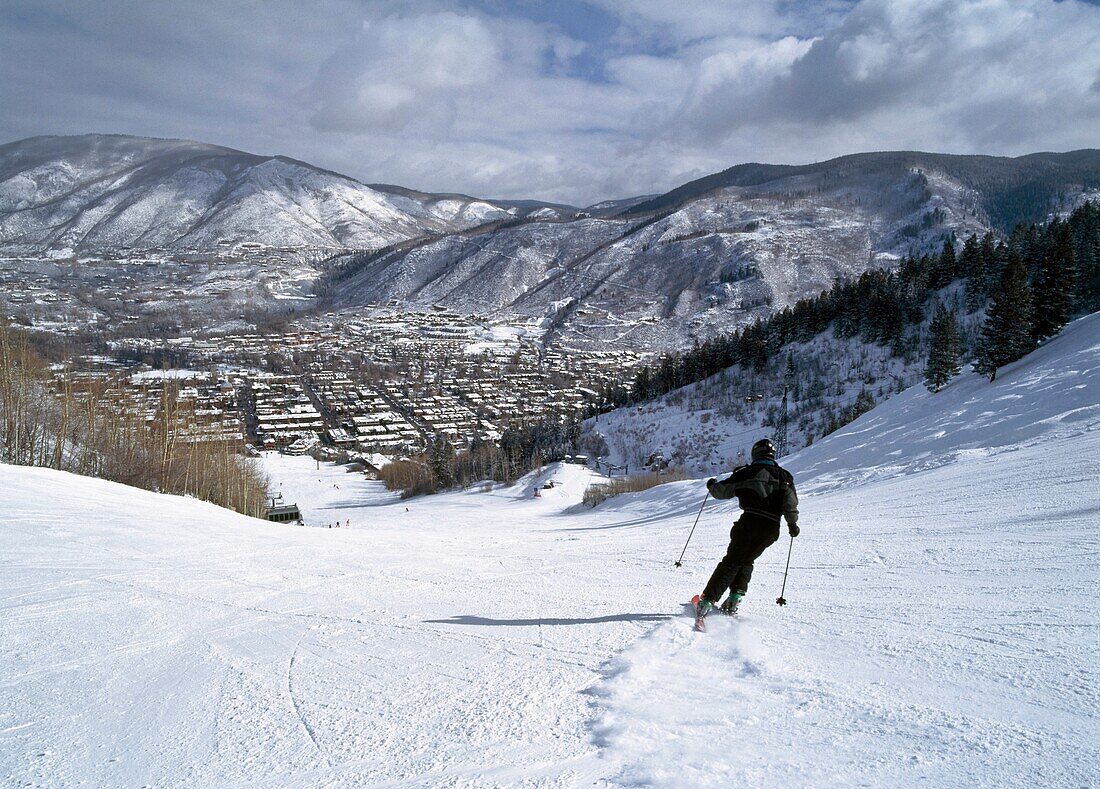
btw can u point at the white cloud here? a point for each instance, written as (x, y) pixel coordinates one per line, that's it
(993, 77)
(444, 96)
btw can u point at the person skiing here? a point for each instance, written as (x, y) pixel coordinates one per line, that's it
(765, 492)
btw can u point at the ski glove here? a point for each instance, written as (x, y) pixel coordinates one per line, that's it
(711, 481)
(793, 529)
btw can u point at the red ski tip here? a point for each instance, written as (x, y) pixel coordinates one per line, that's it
(700, 623)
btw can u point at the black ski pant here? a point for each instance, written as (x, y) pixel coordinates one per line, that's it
(749, 537)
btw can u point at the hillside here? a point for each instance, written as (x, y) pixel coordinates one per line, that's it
(713, 423)
(94, 193)
(940, 627)
(944, 615)
(650, 273)
(1007, 190)
(717, 254)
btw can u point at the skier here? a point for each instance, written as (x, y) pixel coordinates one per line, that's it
(765, 492)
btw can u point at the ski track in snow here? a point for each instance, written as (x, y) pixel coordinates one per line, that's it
(942, 627)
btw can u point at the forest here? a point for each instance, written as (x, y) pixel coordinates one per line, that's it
(1029, 286)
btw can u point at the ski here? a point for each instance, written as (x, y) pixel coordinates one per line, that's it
(700, 619)
(726, 610)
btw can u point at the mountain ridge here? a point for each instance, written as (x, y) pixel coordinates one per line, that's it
(102, 192)
(411, 213)
(757, 174)
(653, 272)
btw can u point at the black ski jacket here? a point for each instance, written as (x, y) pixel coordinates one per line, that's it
(762, 489)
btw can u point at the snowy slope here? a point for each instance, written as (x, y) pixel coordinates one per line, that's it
(943, 619)
(103, 192)
(719, 253)
(712, 423)
(941, 628)
(1003, 190)
(1052, 397)
(714, 264)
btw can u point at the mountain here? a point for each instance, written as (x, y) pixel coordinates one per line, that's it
(1007, 190)
(650, 272)
(720, 252)
(612, 207)
(940, 630)
(474, 210)
(94, 193)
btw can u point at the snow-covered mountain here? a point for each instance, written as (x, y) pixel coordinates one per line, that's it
(651, 272)
(940, 628)
(721, 252)
(1001, 190)
(106, 192)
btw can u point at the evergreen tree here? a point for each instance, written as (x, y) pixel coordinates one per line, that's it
(944, 349)
(642, 385)
(942, 269)
(441, 457)
(884, 305)
(1006, 333)
(1085, 224)
(992, 262)
(1055, 287)
(1028, 242)
(972, 265)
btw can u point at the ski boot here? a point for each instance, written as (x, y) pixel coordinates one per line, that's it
(729, 607)
(703, 606)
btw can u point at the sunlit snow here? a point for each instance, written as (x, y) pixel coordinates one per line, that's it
(941, 627)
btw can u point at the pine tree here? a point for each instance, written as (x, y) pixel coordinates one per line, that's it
(442, 460)
(1055, 287)
(992, 262)
(972, 266)
(642, 385)
(944, 348)
(1006, 333)
(1085, 223)
(943, 268)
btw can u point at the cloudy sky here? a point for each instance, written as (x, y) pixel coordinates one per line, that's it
(571, 100)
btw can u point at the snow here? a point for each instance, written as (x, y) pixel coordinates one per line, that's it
(710, 424)
(325, 492)
(96, 192)
(942, 625)
(666, 282)
(167, 375)
(938, 632)
(942, 609)
(503, 338)
(1053, 394)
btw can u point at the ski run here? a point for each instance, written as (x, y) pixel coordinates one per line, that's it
(942, 626)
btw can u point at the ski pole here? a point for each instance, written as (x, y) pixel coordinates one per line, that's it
(781, 600)
(680, 560)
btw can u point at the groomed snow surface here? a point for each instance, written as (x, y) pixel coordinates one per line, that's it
(942, 626)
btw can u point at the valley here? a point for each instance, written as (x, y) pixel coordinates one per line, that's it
(99, 233)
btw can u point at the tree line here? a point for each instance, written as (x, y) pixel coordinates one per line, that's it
(1031, 284)
(522, 448)
(85, 428)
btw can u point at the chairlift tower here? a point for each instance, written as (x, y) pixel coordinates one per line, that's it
(783, 423)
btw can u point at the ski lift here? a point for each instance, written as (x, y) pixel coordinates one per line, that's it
(282, 513)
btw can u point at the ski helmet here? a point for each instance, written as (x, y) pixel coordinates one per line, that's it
(763, 449)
